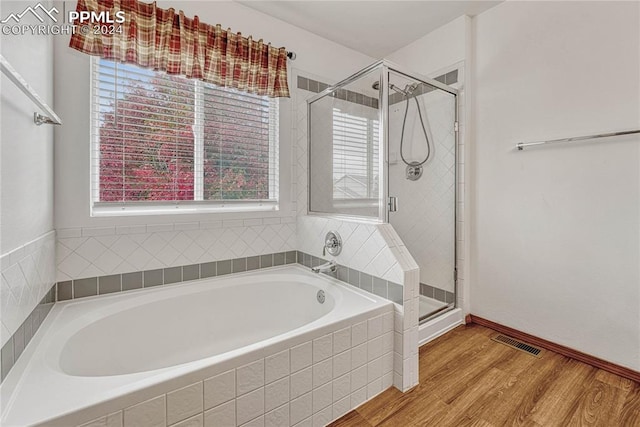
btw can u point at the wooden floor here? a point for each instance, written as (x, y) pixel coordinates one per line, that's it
(468, 380)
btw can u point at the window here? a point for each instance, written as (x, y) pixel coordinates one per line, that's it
(355, 157)
(166, 142)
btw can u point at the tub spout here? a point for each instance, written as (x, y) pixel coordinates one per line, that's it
(326, 267)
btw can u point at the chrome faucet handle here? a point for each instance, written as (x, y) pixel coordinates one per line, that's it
(332, 244)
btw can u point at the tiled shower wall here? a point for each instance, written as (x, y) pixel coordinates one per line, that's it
(426, 217)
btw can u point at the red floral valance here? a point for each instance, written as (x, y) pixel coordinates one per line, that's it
(164, 40)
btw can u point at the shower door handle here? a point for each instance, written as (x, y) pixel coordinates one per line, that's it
(393, 204)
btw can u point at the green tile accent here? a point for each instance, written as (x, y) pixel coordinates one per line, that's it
(253, 263)
(208, 269)
(239, 265)
(152, 278)
(109, 284)
(172, 275)
(65, 290)
(266, 261)
(132, 281)
(85, 287)
(224, 267)
(191, 272)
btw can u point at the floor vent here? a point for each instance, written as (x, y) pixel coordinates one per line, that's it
(518, 345)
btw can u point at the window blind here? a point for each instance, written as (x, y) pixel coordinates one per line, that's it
(355, 156)
(162, 139)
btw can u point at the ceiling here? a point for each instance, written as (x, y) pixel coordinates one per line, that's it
(375, 28)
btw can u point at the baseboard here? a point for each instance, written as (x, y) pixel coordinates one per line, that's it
(560, 349)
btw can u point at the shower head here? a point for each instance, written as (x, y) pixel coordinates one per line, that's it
(406, 92)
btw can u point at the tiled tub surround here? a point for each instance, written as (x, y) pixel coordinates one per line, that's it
(27, 292)
(28, 272)
(306, 376)
(101, 251)
(16, 344)
(375, 249)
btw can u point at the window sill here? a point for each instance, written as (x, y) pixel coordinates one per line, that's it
(119, 210)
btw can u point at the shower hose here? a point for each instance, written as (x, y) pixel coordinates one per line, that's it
(424, 131)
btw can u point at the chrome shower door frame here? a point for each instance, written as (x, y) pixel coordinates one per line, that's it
(383, 117)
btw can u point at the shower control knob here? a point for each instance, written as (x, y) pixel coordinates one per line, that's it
(413, 171)
(332, 243)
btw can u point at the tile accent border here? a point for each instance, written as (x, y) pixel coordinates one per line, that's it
(437, 293)
(102, 285)
(359, 98)
(14, 347)
(375, 285)
(344, 94)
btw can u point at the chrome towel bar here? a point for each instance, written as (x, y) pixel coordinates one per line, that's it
(20, 82)
(522, 145)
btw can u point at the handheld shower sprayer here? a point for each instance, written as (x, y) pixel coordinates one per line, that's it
(414, 168)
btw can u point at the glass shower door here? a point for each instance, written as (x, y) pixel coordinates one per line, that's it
(422, 182)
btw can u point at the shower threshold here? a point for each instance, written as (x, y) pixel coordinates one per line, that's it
(428, 308)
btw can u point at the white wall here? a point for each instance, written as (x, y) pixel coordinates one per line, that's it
(556, 242)
(27, 149)
(83, 236)
(26, 190)
(435, 51)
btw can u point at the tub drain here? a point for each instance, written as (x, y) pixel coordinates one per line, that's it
(320, 296)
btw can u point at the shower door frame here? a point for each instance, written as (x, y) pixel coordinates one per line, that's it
(383, 116)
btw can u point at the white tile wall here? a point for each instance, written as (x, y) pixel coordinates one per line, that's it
(113, 250)
(432, 197)
(28, 273)
(285, 388)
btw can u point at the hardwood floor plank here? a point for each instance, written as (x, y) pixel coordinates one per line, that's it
(513, 403)
(449, 383)
(385, 405)
(426, 411)
(559, 399)
(630, 415)
(625, 384)
(491, 380)
(351, 419)
(601, 404)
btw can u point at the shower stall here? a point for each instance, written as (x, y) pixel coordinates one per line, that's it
(382, 147)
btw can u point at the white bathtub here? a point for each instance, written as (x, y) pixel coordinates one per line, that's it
(110, 354)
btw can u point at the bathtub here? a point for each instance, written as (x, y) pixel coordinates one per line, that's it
(246, 349)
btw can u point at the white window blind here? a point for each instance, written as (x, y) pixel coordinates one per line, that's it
(355, 156)
(161, 140)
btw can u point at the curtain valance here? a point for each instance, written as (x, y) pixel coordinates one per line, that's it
(164, 40)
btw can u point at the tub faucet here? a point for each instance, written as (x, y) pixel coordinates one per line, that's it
(326, 267)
